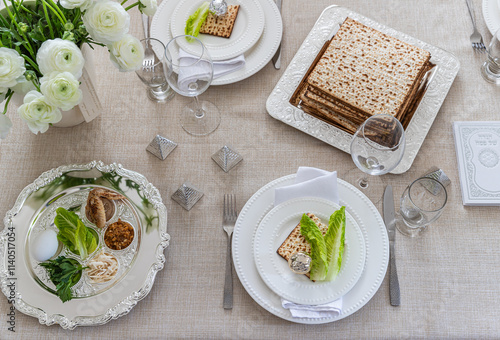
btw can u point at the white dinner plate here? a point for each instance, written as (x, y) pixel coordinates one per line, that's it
(274, 270)
(256, 57)
(247, 29)
(491, 14)
(357, 204)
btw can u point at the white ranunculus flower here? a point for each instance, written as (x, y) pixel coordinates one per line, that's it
(127, 54)
(5, 125)
(106, 21)
(11, 68)
(38, 113)
(148, 7)
(61, 90)
(60, 55)
(81, 4)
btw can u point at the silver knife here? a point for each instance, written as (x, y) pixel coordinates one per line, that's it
(277, 57)
(390, 223)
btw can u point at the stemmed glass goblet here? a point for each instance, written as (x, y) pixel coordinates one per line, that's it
(377, 146)
(153, 76)
(190, 75)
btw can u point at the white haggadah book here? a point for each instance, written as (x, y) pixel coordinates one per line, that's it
(478, 155)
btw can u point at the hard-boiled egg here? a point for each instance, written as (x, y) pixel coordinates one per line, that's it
(45, 245)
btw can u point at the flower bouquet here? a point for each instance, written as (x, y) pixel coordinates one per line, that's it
(40, 55)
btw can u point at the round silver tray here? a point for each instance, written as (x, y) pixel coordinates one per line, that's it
(26, 284)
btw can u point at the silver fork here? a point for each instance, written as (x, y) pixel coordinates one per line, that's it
(475, 39)
(228, 220)
(149, 56)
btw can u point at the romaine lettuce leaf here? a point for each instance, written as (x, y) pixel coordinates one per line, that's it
(196, 20)
(313, 235)
(334, 240)
(74, 234)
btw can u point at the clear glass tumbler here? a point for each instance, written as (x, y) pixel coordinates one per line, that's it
(422, 203)
(152, 73)
(490, 70)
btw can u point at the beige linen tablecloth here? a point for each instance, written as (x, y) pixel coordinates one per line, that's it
(449, 278)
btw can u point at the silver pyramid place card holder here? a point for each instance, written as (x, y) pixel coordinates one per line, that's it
(227, 158)
(187, 195)
(161, 147)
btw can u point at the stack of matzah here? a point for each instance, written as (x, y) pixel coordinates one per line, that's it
(295, 242)
(360, 73)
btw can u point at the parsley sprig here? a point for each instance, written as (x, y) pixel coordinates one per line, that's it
(64, 273)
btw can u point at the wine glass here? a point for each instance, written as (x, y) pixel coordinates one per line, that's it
(377, 146)
(422, 203)
(153, 76)
(490, 70)
(190, 75)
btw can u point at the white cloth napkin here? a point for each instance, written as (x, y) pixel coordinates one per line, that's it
(316, 183)
(221, 68)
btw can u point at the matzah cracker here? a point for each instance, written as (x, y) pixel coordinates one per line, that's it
(296, 242)
(221, 26)
(369, 70)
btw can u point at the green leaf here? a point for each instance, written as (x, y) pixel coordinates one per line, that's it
(64, 273)
(334, 239)
(196, 20)
(313, 235)
(74, 234)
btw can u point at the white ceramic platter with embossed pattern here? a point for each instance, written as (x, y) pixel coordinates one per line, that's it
(274, 270)
(255, 58)
(248, 28)
(27, 284)
(357, 205)
(279, 107)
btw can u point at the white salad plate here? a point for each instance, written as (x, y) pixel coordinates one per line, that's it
(274, 270)
(364, 213)
(92, 304)
(246, 32)
(491, 14)
(255, 58)
(279, 107)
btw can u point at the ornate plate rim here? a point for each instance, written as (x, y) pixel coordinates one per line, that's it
(278, 105)
(124, 306)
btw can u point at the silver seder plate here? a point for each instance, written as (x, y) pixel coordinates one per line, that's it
(279, 107)
(93, 303)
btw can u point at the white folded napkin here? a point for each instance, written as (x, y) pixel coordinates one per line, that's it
(311, 182)
(221, 68)
(331, 309)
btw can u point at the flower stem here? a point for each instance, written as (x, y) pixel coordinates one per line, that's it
(9, 97)
(57, 12)
(31, 62)
(48, 19)
(132, 6)
(123, 2)
(26, 9)
(77, 16)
